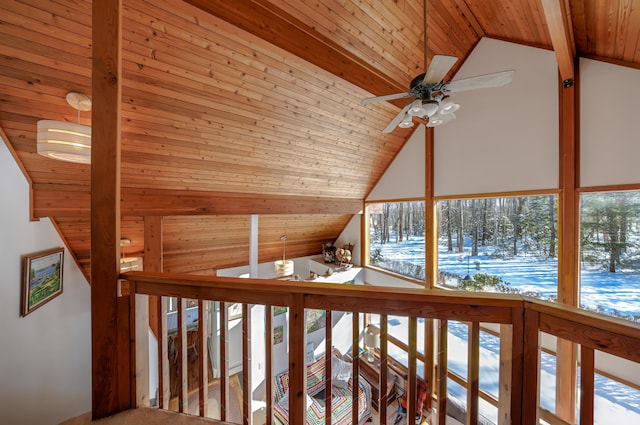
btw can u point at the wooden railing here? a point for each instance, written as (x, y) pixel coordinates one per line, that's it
(521, 320)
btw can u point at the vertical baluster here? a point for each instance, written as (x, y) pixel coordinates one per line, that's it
(224, 361)
(412, 381)
(181, 339)
(141, 349)
(384, 370)
(328, 352)
(268, 372)
(473, 373)
(203, 357)
(429, 349)
(246, 364)
(133, 363)
(355, 366)
(504, 379)
(443, 366)
(587, 384)
(164, 392)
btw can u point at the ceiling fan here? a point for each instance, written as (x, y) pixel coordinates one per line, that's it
(432, 101)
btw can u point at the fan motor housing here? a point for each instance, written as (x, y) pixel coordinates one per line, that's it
(421, 90)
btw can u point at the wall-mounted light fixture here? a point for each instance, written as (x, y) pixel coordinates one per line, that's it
(67, 141)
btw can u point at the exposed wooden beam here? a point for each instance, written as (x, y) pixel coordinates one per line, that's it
(113, 383)
(67, 201)
(560, 29)
(265, 20)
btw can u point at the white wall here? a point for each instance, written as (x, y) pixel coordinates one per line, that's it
(609, 148)
(505, 138)
(45, 361)
(351, 235)
(405, 176)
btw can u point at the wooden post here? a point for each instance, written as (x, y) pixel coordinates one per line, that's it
(568, 244)
(153, 262)
(153, 257)
(526, 372)
(297, 364)
(431, 234)
(110, 387)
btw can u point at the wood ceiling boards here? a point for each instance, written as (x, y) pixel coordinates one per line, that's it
(230, 108)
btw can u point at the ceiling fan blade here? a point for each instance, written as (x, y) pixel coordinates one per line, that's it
(369, 100)
(394, 122)
(497, 79)
(440, 65)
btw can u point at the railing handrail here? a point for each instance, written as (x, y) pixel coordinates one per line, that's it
(585, 317)
(357, 298)
(528, 316)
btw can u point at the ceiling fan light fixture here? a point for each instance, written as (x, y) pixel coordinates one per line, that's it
(416, 109)
(447, 106)
(440, 119)
(407, 122)
(435, 121)
(430, 107)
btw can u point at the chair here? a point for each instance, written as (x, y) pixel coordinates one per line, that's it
(423, 402)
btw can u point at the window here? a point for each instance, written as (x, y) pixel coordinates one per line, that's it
(610, 253)
(396, 237)
(506, 244)
(398, 342)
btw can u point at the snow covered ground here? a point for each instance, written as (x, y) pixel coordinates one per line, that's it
(611, 292)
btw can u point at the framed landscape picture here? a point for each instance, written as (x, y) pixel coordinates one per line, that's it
(278, 334)
(42, 279)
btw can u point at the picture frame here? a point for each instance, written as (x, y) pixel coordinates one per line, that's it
(315, 320)
(278, 310)
(278, 335)
(42, 279)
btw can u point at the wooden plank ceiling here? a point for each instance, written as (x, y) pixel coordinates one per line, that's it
(252, 106)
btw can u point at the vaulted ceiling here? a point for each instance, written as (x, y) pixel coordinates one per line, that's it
(252, 106)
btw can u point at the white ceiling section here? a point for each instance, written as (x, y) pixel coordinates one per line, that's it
(405, 177)
(504, 139)
(609, 114)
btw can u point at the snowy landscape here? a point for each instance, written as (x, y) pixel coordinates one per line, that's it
(613, 293)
